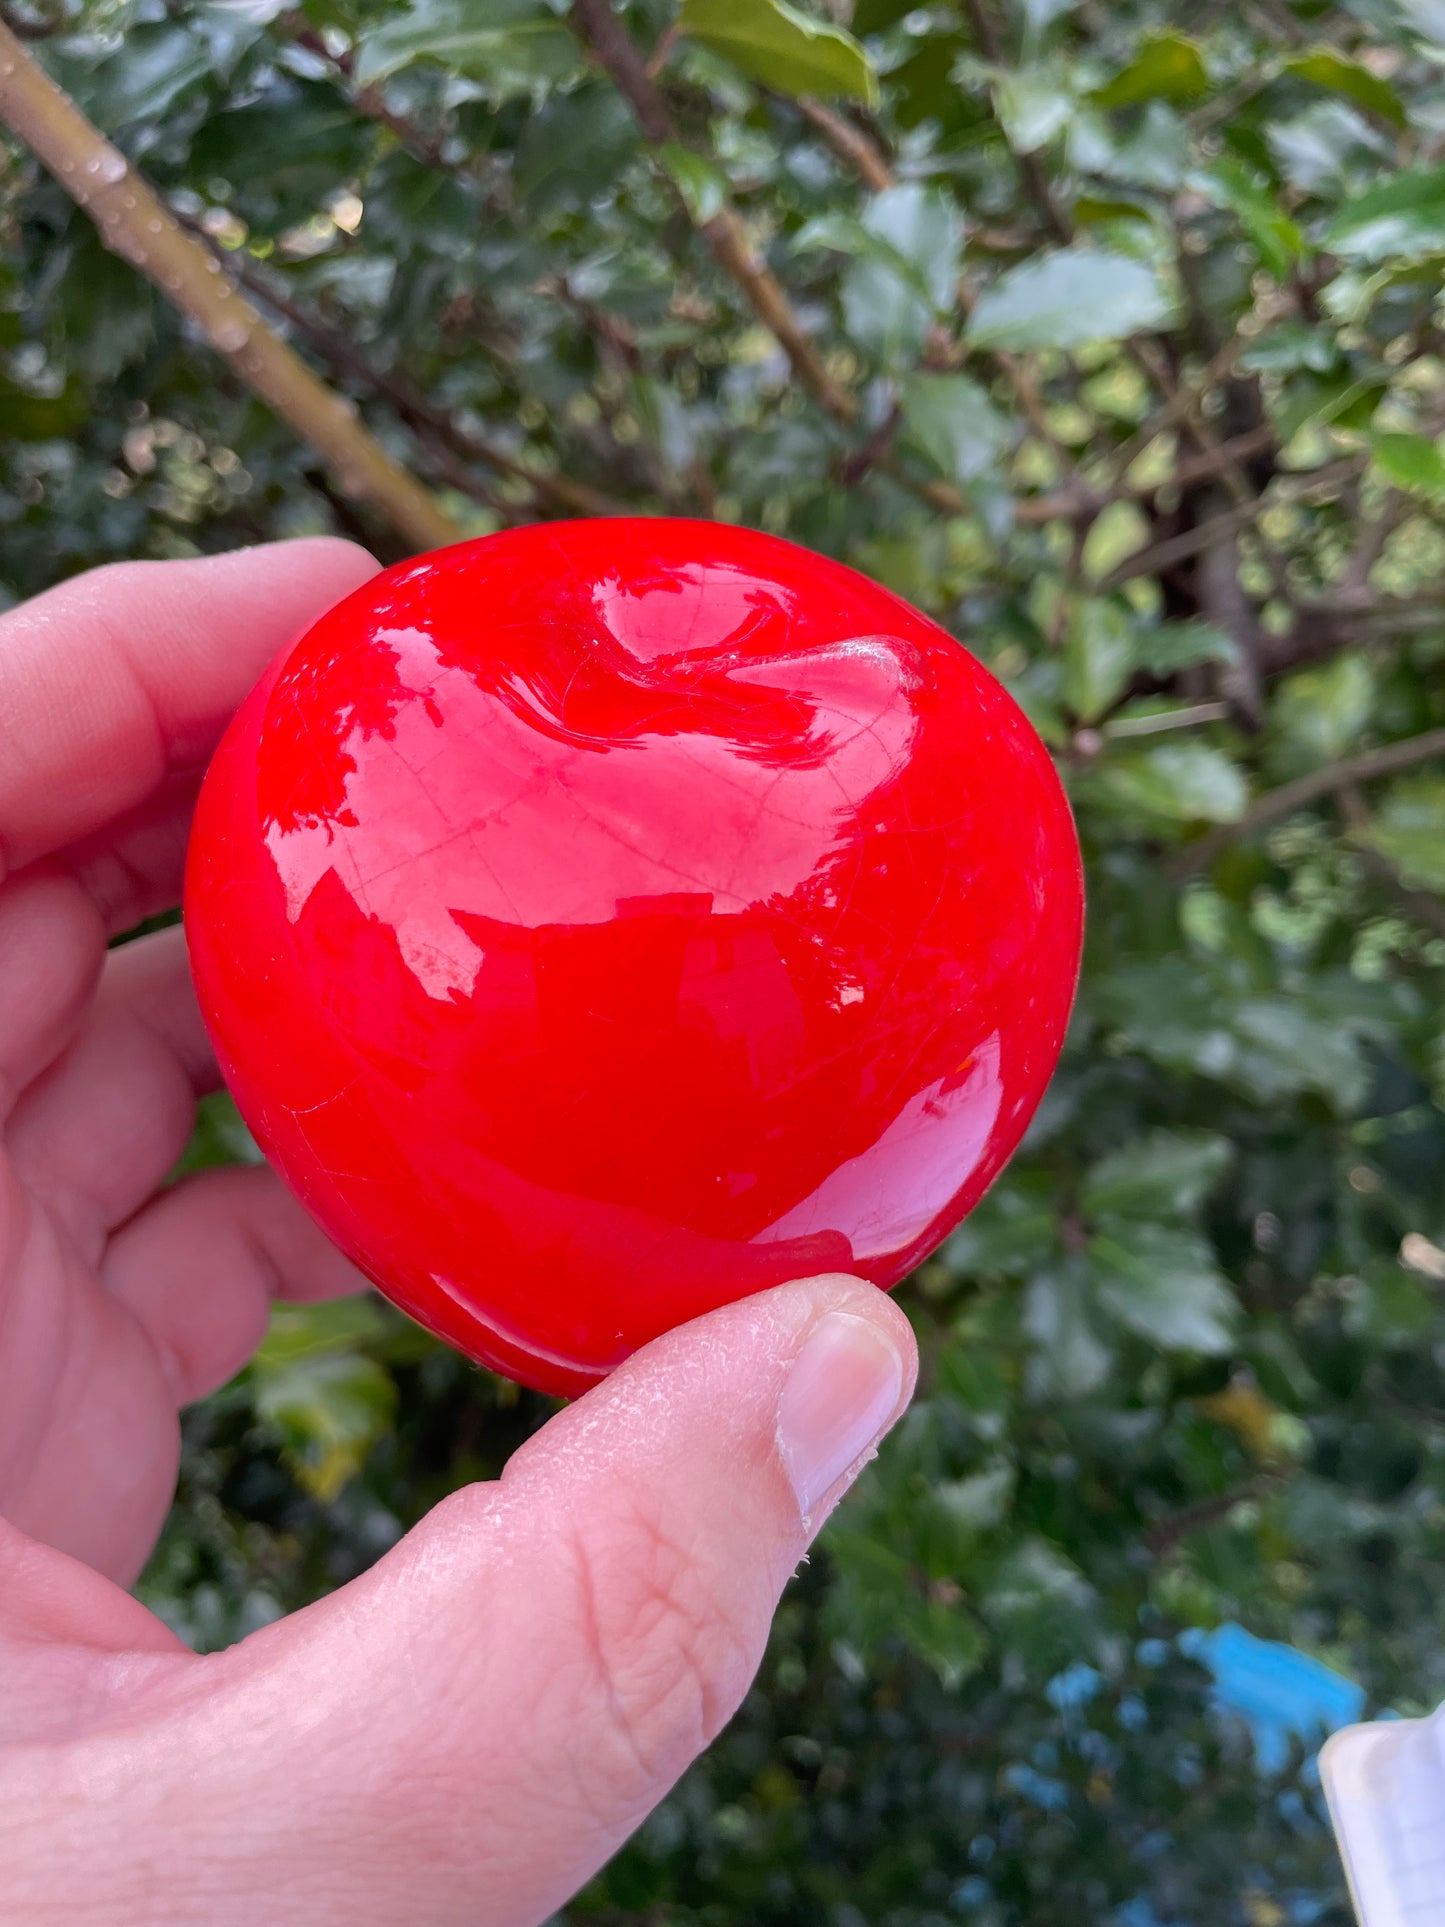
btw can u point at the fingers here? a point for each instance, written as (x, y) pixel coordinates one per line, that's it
(100, 1129)
(467, 1732)
(119, 678)
(135, 866)
(201, 1266)
(52, 949)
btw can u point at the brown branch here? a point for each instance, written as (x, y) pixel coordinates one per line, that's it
(990, 43)
(1423, 905)
(851, 145)
(1177, 407)
(430, 423)
(1159, 556)
(370, 101)
(1329, 781)
(134, 223)
(1069, 503)
(1167, 1533)
(600, 29)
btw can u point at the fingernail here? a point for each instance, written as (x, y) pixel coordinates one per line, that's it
(839, 1399)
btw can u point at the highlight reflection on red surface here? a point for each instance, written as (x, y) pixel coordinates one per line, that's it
(603, 920)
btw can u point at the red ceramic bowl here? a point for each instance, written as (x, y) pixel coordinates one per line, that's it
(600, 921)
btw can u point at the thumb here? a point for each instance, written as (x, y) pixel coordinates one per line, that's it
(467, 1732)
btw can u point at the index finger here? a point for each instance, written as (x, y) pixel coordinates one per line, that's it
(126, 675)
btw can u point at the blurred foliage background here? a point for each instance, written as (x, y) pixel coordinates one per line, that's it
(1112, 336)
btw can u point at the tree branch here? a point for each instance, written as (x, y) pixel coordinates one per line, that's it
(423, 417)
(1167, 1533)
(599, 28)
(1422, 905)
(1159, 556)
(134, 223)
(851, 145)
(1333, 780)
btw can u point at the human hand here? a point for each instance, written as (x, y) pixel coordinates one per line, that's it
(466, 1732)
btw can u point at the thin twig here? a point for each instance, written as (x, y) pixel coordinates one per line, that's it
(600, 29)
(1160, 556)
(1422, 905)
(1036, 179)
(1166, 1533)
(420, 414)
(850, 144)
(134, 223)
(1175, 409)
(1330, 781)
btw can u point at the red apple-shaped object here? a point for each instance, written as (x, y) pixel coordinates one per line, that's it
(603, 920)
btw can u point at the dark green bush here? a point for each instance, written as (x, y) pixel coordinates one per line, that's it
(1118, 348)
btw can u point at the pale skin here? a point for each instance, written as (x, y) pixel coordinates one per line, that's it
(467, 1732)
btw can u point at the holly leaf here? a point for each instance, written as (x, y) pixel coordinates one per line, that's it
(1410, 830)
(1166, 1174)
(1182, 782)
(1412, 462)
(1163, 1284)
(1403, 218)
(1098, 657)
(1324, 67)
(513, 45)
(702, 185)
(1168, 66)
(950, 420)
(792, 52)
(1066, 298)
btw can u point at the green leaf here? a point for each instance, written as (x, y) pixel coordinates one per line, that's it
(1070, 1359)
(1287, 1047)
(1033, 105)
(1185, 782)
(790, 51)
(1291, 346)
(1066, 298)
(1324, 67)
(333, 1325)
(142, 79)
(702, 185)
(1412, 462)
(1403, 218)
(330, 1408)
(1171, 646)
(946, 1636)
(905, 270)
(579, 138)
(1039, 1605)
(1013, 1230)
(1167, 1174)
(1321, 712)
(950, 420)
(286, 153)
(1164, 1285)
(1098, 657)
(1278, 240)
(1168, 66)
(512, 45)
(1410, 830)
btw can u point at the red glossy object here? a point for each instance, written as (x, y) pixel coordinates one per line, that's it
(603, 920)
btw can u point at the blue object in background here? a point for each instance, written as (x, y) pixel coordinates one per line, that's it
(1280, 1694)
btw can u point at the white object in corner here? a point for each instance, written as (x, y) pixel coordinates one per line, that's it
(1385, 1783)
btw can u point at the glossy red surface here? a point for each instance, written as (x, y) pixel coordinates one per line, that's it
(603, 920)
